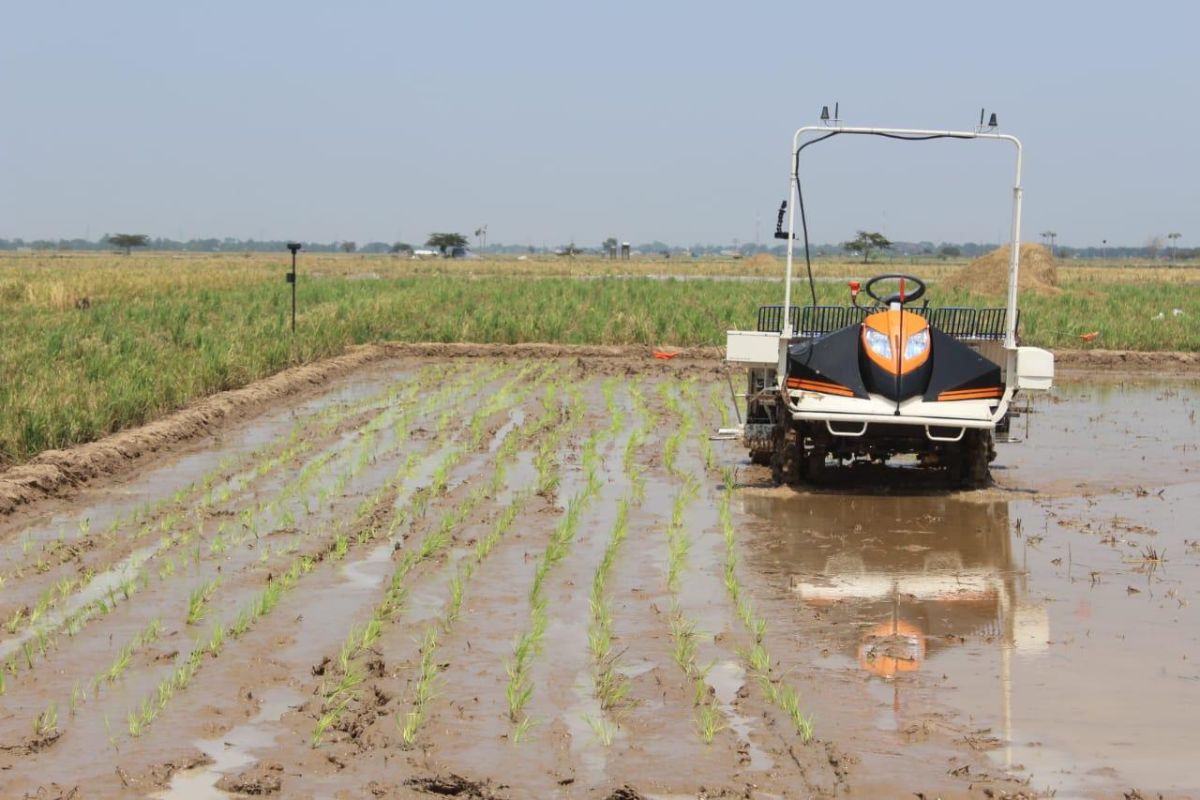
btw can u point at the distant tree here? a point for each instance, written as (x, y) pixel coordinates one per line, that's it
(401, 247)
(1174, 239)
(128, 241)
(609, 246)
(570, 250)
(349, 247)
(1153, 245)
(446, 241)
(950, 251)
(866, 243)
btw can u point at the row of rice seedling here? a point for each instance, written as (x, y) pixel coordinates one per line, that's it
(199, 600)
(259, 606)
(241, 470)
(609, 685)
(684, 635)
(757, 658)
(172, 537)
(519, 689)
(169, 539)
(411, 721)
(336, 696)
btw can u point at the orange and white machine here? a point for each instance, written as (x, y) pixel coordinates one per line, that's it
(885, 375)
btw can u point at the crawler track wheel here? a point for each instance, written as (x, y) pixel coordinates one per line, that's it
(786, 458)
(762, 457)
(814, 465)
(978, 450)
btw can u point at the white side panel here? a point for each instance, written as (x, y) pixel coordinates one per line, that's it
(752, 347)
(1035, 369)
(813, 405)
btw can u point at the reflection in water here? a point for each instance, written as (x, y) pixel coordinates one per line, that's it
(909, 576)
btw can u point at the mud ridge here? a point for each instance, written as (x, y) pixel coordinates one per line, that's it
(1129, 360)
(55, 473)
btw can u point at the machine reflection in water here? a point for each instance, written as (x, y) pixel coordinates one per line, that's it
(908, 577)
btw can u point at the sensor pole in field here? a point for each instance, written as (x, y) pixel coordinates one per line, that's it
(291, 278)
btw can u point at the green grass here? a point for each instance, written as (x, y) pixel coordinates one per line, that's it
(158, 332)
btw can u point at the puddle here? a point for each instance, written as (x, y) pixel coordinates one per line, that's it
(1106, 435)
(368, 573)
(105, 585)
(586, 747)
(1068, 655)
(232, 751)
(727, 678)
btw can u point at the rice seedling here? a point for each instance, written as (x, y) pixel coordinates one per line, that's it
(216, 639)
(77, 695)
(46, 722)
(326, 720)
(198, 601)
(341, 544)
(120, 664)
(424, 689)
(717, 398)
(604, 730)
(521, 729)
(709, 722)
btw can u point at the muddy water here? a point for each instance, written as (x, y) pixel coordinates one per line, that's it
(1057, 630)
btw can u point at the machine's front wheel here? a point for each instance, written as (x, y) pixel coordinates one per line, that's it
(785, 460)
(814, 465)
(976, 453)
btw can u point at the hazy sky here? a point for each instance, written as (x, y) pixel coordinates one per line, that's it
(552, 121)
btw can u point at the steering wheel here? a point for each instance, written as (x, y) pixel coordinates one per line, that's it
(909, 296)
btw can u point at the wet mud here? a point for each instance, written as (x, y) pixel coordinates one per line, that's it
(535, 577)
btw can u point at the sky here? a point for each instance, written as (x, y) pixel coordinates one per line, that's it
(553, 122)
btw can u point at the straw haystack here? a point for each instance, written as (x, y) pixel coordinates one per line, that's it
(988, 274)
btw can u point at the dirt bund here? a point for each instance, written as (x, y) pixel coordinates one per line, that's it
(988, 274)
(57, 473)
(1096, 362)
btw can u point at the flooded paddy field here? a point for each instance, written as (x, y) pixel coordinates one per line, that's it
(543, 578)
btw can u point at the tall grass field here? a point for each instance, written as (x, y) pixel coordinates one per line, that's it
(97, 342)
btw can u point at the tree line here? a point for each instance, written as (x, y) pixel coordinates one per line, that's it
(867, 245)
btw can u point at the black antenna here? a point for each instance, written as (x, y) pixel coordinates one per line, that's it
(824, 113)
(779, 234)
(836, 117)
(992, 123)
(981, 111)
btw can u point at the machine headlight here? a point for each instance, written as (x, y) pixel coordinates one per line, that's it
(916, 345)
(878, 342)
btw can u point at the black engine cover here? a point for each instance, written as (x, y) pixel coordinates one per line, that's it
(839, 358)
(832, 357)
(956, 366)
